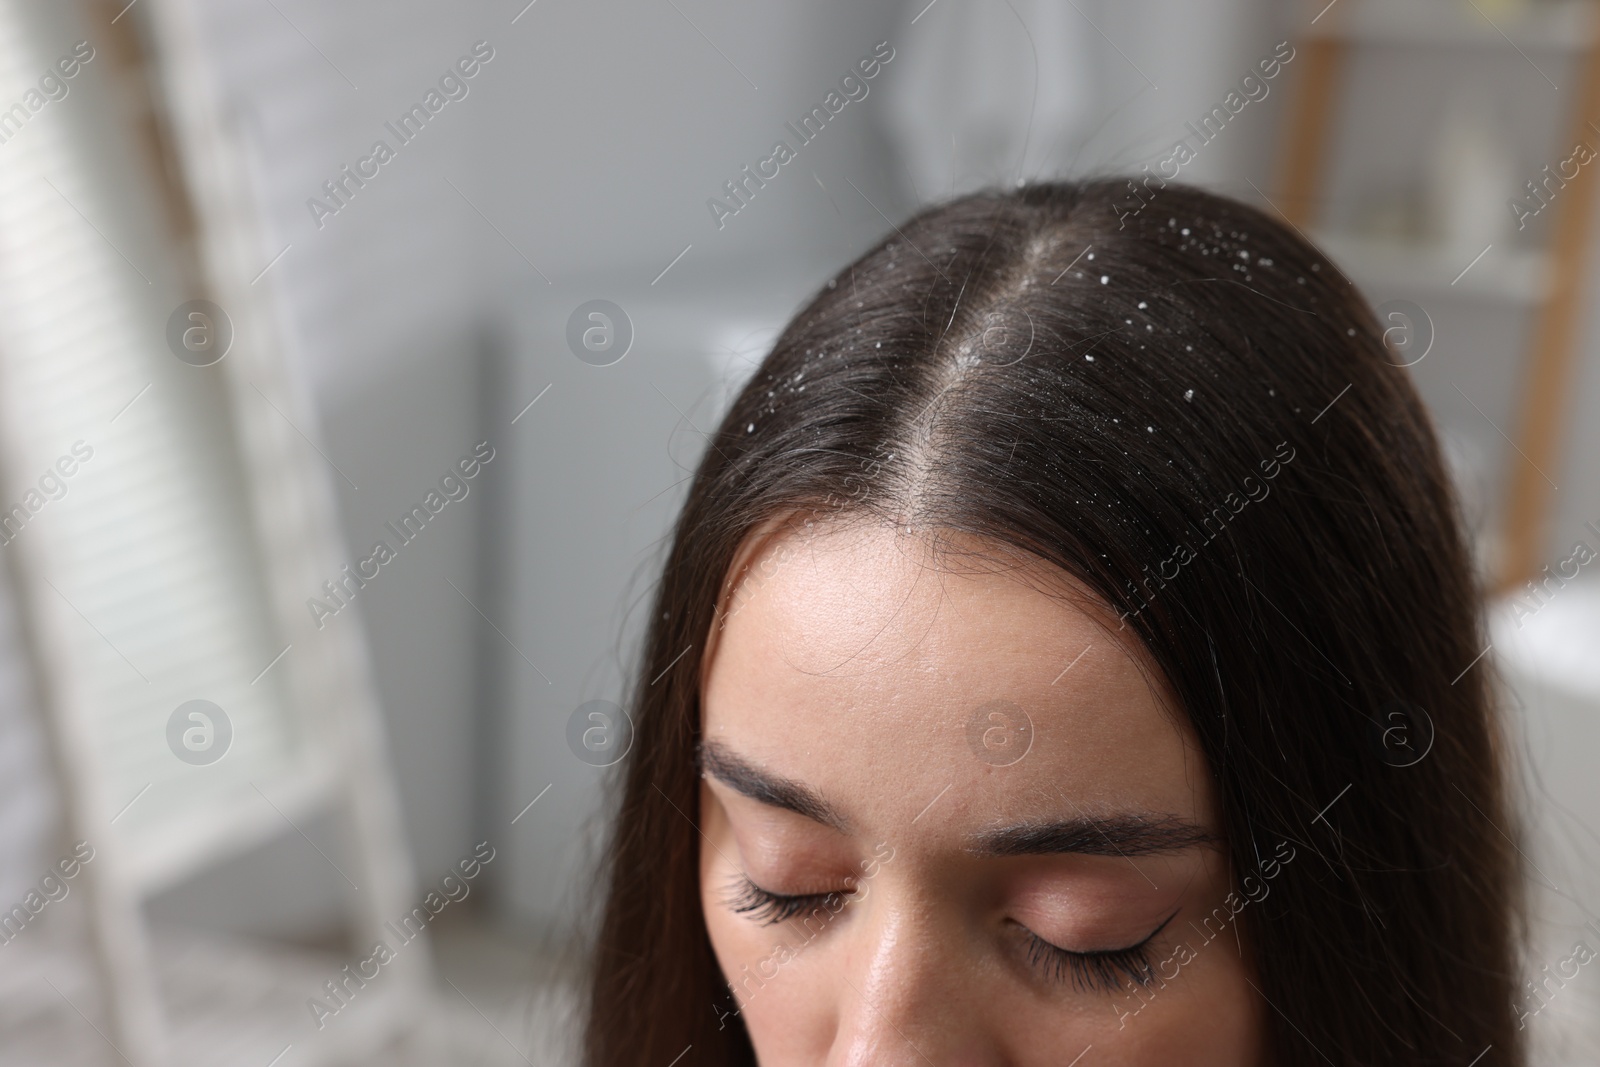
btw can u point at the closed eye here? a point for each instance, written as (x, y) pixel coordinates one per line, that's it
(767, 908)
(1099, 971)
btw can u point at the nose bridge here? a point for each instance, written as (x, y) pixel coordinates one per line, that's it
(899, 1001)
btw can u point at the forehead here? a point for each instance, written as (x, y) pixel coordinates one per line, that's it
(862, 662)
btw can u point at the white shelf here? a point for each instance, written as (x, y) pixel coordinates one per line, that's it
(1552, 25)
(1384, 267)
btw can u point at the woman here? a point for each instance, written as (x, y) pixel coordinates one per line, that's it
(1068, 652)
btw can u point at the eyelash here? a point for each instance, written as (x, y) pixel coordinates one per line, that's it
(769, 909)
(1103, 971)
(1100, 971)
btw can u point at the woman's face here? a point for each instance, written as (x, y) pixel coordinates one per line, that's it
(1020, 845)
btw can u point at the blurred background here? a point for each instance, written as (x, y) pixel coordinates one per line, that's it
(354, 357)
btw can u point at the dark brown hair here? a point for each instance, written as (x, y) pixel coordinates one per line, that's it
(1189, 410)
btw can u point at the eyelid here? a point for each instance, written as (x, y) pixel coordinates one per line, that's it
(1096, 970)
(1123, 948)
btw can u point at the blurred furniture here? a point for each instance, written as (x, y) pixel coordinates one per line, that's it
(1544, 641)
(1551, 279)
(176, 565)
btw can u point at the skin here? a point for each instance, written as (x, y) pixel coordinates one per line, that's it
(841, 681)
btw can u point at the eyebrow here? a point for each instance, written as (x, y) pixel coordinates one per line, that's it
(1130, 834)
(1133, 834)
(746, 778)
